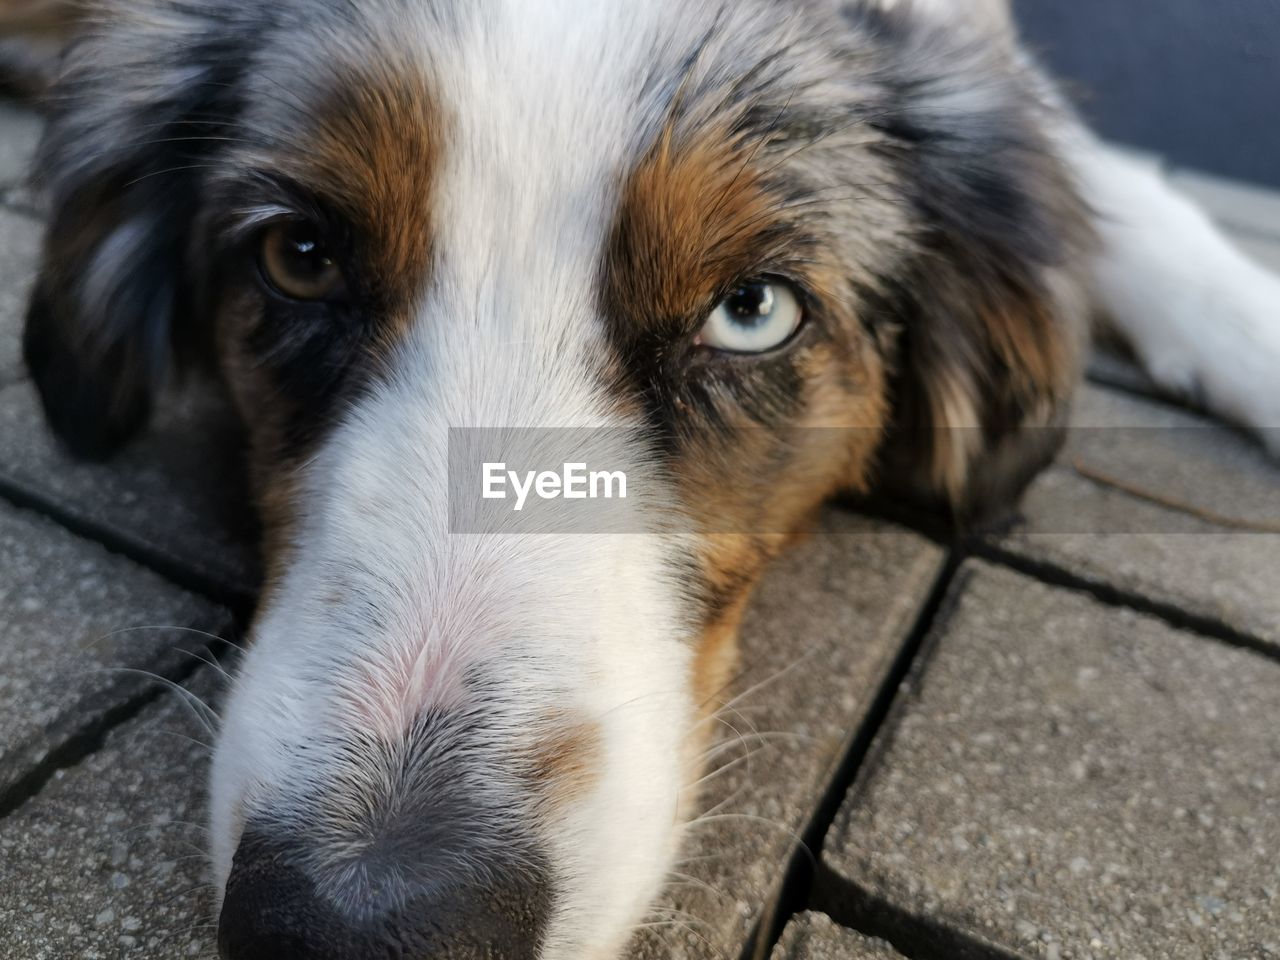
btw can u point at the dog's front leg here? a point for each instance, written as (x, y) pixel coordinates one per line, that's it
(1202, 317)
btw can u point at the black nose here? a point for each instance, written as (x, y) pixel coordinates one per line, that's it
(281, 903)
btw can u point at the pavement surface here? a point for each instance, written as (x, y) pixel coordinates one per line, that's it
(1052, 741)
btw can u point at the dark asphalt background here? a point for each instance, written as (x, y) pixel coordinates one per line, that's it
(1196, 80)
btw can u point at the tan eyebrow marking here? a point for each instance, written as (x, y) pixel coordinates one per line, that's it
(694, 211)
(370, 146)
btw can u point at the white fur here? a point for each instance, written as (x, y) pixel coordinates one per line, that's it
(542, 101)
(1203, 318)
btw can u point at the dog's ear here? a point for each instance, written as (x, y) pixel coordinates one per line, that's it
(991, 315)
(141, 97)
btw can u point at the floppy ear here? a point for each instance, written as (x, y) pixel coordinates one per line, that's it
(140, 100)
(992, 312)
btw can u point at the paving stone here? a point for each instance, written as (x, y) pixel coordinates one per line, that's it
(1181, 551)
(177, 494)
(818, 641)
(19, 248)
(19, 135)
(1072, 780)
(108, 860)
(72, 613)
(1235, 204)
(813, 936)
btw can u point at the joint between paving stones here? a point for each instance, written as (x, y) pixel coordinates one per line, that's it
(794, 890)
(810, 884)
(90, 737)
(1113, 596)
(237, 601)
(915, 936)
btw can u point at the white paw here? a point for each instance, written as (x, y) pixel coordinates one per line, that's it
(1203, 318)
(1220, 348)
(1239, 358)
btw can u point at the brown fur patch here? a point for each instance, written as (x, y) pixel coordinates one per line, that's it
(701, 212)
(265, 415)
(716, 656)
(372, 149)
(833, 448)
(695, 216)
(567, 760)
(984, 402)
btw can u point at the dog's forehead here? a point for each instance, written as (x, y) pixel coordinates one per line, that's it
(578, 180)
(482, 124)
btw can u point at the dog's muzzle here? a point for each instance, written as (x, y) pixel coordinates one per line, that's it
(276, 909)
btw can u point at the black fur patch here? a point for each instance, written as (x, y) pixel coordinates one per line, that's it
(121, 165)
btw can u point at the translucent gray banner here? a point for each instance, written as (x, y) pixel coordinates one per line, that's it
(1104, 480)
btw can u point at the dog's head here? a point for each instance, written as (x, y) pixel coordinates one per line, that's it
(768, 251)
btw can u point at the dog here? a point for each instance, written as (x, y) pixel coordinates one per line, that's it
(767, 251)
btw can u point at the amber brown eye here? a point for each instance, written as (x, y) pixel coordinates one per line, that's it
(295, 260)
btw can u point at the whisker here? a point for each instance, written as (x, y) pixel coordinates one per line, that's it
(168, 170)
(766, 739)
(726, 194)
(754, 818)
(685, 922)
(772, 678)
(685, 879)
(207, 747)
(204, 714)
(728, 767)
(138, 829)
(168, 628)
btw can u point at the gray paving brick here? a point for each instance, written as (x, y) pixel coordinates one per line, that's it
(1238, 205)
(65, 635)
(19, 248)
(821, 634)
(19, 134)
(1178, 551)
(812, 936)
(1071, 780)
(177, 493)
(107, 861)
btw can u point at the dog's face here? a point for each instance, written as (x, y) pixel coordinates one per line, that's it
(765, 251)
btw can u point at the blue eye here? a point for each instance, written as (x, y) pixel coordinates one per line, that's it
(758, 316)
